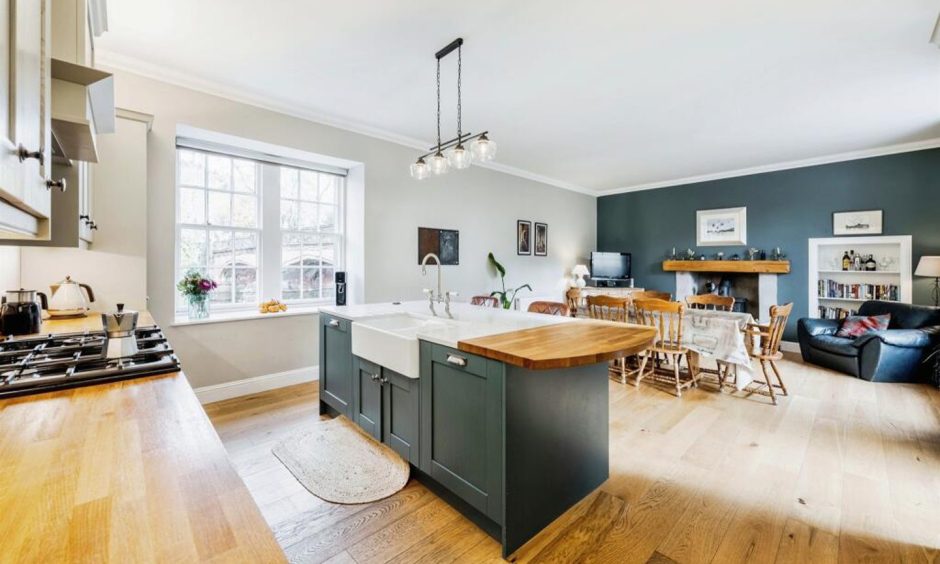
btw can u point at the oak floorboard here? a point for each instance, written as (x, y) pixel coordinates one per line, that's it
(842, 470)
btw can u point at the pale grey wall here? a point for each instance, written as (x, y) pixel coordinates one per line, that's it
(482, 204)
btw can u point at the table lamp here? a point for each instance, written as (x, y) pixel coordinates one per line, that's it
(580, 271)
(930, 267)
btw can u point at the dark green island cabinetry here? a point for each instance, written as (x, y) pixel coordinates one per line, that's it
(511, 442)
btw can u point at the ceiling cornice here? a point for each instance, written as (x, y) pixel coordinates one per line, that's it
(117, 61)
(802, 163)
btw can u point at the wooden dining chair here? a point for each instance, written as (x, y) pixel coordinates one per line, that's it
(710, 301)
(768, 348)
(487, 301)
(666, 317)
(549, 308)
(611, 308)
(573, 298)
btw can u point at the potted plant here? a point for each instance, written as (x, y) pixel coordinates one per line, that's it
(195, 288)
(506, 298)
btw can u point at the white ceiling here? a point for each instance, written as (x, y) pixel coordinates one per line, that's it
(599, 96)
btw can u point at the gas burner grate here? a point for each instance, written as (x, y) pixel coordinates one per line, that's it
(49, 362)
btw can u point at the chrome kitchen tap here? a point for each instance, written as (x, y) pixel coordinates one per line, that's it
(442, 297)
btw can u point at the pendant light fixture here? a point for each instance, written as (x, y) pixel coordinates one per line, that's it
(453, 153)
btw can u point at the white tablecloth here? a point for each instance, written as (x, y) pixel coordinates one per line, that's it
(719, 335)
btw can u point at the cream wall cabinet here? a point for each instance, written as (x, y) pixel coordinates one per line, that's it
(25, 141)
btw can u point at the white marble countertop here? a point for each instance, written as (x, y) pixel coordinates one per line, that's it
(468, 321)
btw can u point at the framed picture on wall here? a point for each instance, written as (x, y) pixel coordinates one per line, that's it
(726, 226)
(523, 237)
(445, 243)
(541, 239)
(857, 222)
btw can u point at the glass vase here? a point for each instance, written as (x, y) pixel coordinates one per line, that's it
(198, 307)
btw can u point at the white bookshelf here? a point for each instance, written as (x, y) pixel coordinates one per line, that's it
(825, 260)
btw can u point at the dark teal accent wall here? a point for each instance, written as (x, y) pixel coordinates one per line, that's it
(784, 209)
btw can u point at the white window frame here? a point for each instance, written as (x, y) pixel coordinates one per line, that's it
(269, 228)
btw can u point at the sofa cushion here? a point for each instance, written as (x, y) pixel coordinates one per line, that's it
(903, 316)
(857, 325)
(835, 345)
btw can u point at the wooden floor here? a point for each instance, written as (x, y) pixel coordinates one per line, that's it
(841, 471)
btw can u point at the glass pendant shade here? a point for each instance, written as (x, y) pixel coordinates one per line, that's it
(459, 157)
(439, 164)
(483, 149)
(420, 170)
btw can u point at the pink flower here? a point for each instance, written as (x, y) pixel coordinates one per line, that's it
(206, 285)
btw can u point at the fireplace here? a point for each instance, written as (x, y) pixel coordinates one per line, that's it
(756, 291)
(744, 288)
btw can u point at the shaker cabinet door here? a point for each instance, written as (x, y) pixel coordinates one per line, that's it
(336, 363)
(367, 397)
(25, 82)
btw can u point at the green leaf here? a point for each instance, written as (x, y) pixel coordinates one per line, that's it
(499, 268)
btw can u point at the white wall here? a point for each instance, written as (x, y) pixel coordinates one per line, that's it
(483, 204)
(9, 268)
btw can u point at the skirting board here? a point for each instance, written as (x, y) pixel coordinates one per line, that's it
(789, 346)
(263, 383)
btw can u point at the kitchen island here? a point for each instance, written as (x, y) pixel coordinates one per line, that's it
(502, 413)
(128, 471)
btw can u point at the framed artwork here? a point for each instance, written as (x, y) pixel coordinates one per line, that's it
(722, 227)
(523, 237)
(541, 239)
(445, 243)
(857, 222)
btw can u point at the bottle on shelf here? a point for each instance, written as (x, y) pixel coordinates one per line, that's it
(856, 261)
(846, 261)
(870, 264)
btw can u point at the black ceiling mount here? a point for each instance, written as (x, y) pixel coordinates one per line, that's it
(449, 49)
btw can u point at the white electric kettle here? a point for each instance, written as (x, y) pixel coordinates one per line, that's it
(70, 299)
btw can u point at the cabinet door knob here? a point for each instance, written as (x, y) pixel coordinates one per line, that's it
(23, 153)
(374, 377)
(383, 380)
(456, 360)
(61, 184)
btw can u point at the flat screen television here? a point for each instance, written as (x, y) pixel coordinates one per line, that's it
(610, 266)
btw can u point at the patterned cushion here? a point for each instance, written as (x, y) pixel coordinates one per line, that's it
(858, 325)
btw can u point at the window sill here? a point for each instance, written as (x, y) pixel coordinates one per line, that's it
(226, 317)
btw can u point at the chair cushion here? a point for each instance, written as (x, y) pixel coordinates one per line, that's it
(835, 345)
(857, 325)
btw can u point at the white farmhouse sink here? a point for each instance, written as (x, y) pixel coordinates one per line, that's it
(391, 341)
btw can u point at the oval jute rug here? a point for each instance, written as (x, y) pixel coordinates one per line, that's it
(338, 462)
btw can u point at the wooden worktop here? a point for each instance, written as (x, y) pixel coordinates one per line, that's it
(90, 322)
(129, 471)
(563, 345)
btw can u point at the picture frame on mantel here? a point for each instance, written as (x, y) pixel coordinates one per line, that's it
(721, 227)
(541, 239)
(864, 222)
(523, 237)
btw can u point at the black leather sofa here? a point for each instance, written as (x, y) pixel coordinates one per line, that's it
(893, 355)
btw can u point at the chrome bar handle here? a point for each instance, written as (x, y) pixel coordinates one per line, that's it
(456, 360)
(334, 323)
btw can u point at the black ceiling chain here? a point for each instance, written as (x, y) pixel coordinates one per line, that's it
(438, 105)
(459, 72)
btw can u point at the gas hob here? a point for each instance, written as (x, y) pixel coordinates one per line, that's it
(53, 362)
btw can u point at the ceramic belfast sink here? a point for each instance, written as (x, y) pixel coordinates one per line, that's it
(392, 340)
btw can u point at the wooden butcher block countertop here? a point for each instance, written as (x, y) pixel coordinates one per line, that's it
(563, 345)
(129, 471)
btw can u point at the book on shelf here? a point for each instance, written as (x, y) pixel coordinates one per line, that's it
(835, 312)
(834, 289)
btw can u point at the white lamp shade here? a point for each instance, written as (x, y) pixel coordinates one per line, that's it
(928, 266)
(580, 270)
